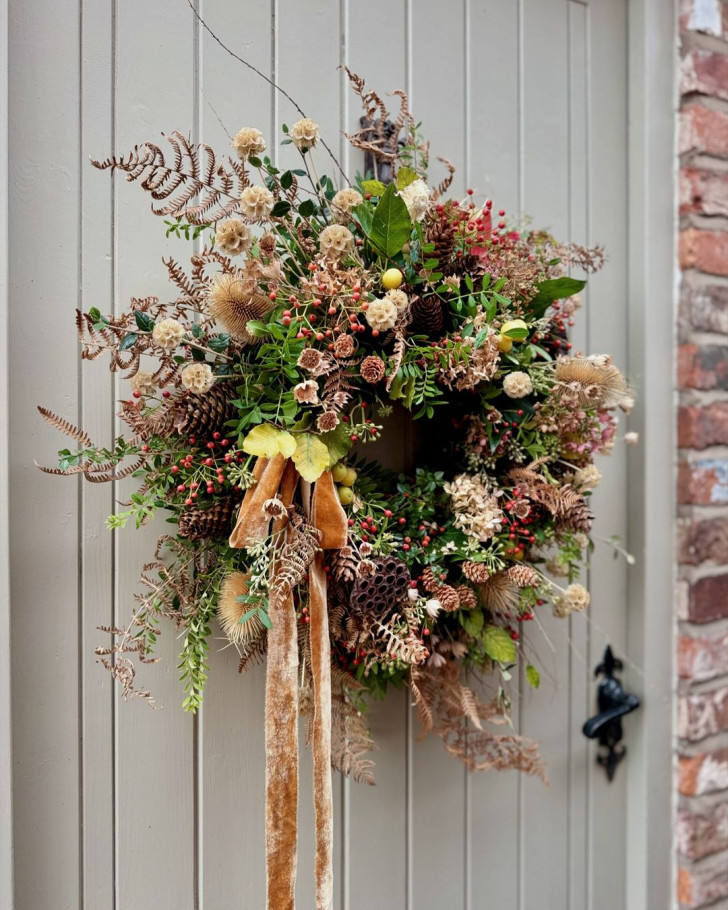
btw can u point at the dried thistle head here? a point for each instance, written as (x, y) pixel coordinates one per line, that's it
(499, 594)
(231, 610)
(596, 381)
(233, 303)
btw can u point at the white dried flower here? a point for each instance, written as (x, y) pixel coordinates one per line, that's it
(517, 385)
(475, 506)
(168, 334)
(413, 594)
(366, 549)
(433, 607)
(631, 438)
(143, 382)
(588, 477)
(274, 508)
(382, 314)
(416, 197)
(249, 142)
(627, 404)
(336, 241)
(575, 599)
(557, 568)
(306, 392)
(233, 236)
(256, 202)
(304, 134)
(198, 378)
(436, 660)
(398, 298)
(343, 202)
(581, 540)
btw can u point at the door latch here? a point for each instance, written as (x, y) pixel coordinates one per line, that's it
(613, 703)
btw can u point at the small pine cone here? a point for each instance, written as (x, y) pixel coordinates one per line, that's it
(468, 597)
(344, 346)
(215, 521)
(427, 316)
(477, 572)
(344, 565)
(203, 415)
(372, 369)
(441, 231)
(430, 582)
(524, 576)
(448, 597)
(577, 518)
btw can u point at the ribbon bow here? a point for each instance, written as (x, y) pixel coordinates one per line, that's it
(279, 477)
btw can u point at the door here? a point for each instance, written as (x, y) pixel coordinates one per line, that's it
(137, 809)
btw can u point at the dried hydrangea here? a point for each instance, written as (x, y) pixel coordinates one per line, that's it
(575, 599)
(475, 506)
(306, 392)
(398, 298)
(168, 334)
(197, 378)
(143, 382)
(557, 567)
(256, 202)
(249, 142)
(517, 384)
(343, 202)
(382, 314)
(588, 478)
(304, 134)
(416, 197)
(327, 421)
(336, 241)
(233, 237)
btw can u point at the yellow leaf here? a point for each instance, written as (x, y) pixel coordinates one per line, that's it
(286, 444)
(311, 457)
(263, 441)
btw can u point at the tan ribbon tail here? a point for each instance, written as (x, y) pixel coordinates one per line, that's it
(328, 515)
(322, 786)
(281, 736)
(252, 523)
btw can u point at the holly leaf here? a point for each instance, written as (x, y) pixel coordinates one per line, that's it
(391, 225)
(266, 441)
(533, 677)
(498, 645)
(311, 456)
(338, 442)
(551, 290)
(405, 176)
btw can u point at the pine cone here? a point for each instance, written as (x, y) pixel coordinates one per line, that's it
(448, 597)
(344, 564)
(468, 598)
(524, 576)
(476, 572)
(203, 415)
(380, 592)
(215, 521)
(429, 580)
(427, 316)
(440, 231)
(577, 518)
(372, 369)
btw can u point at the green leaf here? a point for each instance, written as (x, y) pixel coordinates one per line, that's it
(281, 208)
(219, 343)
(254, 162)
(473, 622)
(375, 187)
(286, 180)
(128, 341)
(307, 208)
(144, 321)
(257, 328)
(311, 456)
(338, 442)
(364, 214)
(265, 619)
(95, 313)
(197, 331)
(553, 289)
(391, 225)
(405, 176)
(498, 645)
(533, 677)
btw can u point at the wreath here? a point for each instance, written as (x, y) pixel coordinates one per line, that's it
(310, 320)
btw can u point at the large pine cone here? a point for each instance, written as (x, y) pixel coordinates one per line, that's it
(203, 415)
(215, 521)
(440, 231)
(427, 317)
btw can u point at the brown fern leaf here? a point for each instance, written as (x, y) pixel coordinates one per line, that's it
(65, 426)
(254, 654)
(194, 173)
(444, 185)
(96, 474)
(351, 740)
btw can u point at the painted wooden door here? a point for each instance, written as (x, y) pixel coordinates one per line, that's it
(119, 806)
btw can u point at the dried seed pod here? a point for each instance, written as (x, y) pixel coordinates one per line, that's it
(382, 591)
(372, 369)
(429, 581)
(344, 564)
(427, 316)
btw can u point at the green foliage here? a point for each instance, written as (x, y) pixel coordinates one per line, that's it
(391, 225)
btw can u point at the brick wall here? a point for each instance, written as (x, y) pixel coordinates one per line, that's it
(701, 831)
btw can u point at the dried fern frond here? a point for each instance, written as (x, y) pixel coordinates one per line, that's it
(379, 132)
(253, 654)
(194, 184)
(65, 426)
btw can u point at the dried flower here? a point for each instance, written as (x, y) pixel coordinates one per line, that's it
(575, 599)
(249, 142)
(398, 298)
(557, 567)
(256, 202)
(499, 595)
(304, 134)
(587, 478)
(267, 244)
(416, 197)
(631, 438)
(310, 359)
(433, 607)
(233, 301)
(581, 540)
(382, 314)
(520, 508)
(477, 572)
(327, 421)
(366, 568)
(372, 369)
(344, 346)
(365, 549)
(168, 334)
(197, 378)
(343, 202)
(231, 610)
(233, 237)
(595, 380)
(336, 241)
(517, 385)
(274, 508)
(143, 382)
(475, 506)
(306, 392)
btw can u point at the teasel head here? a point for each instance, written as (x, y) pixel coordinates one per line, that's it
(499, 595)
(231, 610)
(597, 382)
(233, 302)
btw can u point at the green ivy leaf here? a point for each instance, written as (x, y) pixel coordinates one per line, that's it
(533, 677)
(498, 645)
(254, 162)
(219, 343)
(128, 341)
(391, 225)
(551, 290)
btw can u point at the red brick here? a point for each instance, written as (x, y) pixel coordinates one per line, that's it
(701, 16)
(706, 251)
(702, 366)
(703, 773)
(701, 714)
(699, 834)
(700, 659)
(708, 599)
(704, 307)
(703, 883)
(704, 192)
(703, 540)
(700, 427)
(703, 130)
(704, 72)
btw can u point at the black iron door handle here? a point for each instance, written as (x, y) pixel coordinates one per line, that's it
(613, 703)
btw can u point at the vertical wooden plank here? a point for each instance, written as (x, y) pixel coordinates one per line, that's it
(154, 797)
(97, 502)
(232, 718)
(545, 714)
(44, 93)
